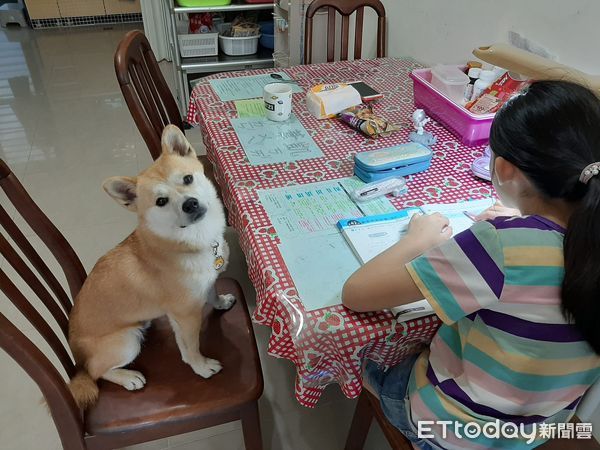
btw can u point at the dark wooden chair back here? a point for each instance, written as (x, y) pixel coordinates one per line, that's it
(145, 90)
(346, 8)
(56, 301)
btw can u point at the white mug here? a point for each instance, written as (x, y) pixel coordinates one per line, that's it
(278, 101)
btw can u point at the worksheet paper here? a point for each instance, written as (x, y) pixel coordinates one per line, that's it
(372, 235)
(241, 88)
(316, 208)
(267, 142)
(458, 213)
(315, 253)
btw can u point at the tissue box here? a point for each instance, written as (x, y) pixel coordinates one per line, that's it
(325, 101)
(401, 160)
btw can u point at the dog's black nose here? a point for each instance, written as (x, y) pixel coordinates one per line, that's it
(190, 206)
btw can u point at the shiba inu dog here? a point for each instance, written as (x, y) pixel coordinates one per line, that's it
(167, 266)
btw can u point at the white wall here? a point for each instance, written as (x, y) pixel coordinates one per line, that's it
(442, 31)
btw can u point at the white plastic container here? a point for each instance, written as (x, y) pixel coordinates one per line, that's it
(450, 81)
(473, 75)
(237, 46)
(486, 79)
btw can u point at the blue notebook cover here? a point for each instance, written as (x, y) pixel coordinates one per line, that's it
(402, 214)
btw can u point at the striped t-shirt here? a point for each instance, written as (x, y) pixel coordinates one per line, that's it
(504, 350)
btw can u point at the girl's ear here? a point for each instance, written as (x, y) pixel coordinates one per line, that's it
(505, 171)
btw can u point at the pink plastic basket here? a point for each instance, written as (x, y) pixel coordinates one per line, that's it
(472, 129)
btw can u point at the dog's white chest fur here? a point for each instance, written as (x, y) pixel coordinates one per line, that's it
(202, 269)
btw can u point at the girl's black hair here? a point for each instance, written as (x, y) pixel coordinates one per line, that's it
(551, 133)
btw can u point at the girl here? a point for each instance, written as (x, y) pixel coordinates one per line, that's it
(518, 297)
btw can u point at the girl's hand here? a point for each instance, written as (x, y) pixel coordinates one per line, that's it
(498, 210)
(429, 230)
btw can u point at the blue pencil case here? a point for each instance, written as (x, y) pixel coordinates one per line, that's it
(401, 160)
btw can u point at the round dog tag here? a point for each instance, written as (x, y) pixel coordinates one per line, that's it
(219, 262)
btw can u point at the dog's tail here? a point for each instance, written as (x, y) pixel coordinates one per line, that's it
(84, 389)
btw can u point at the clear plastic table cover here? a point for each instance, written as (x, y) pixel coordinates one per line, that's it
(328, 345)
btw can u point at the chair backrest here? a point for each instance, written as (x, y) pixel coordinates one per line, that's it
(345, 8)
(145, 90)
(63, 409)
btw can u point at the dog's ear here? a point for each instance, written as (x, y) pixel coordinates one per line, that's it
(123, 190)
(173, 141)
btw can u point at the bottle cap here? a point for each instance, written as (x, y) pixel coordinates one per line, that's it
(472, 64)
(474, 72)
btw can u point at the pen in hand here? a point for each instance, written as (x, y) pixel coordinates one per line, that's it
(405, 311)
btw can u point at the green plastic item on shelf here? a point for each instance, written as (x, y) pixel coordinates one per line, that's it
(202, 3)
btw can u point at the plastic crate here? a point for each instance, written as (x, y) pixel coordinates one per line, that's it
(201, 44)
(472, 129)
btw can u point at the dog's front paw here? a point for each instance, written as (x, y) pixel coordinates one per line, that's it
(132, 380)
(225, 302)
(207, 367)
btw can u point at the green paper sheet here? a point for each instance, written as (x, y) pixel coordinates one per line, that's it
(250, 108)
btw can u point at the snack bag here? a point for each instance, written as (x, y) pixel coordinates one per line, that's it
(363, 119)
(200, 23)
(501, 91)
(325, 101)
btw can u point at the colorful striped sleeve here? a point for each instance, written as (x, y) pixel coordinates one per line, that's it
(462, 275)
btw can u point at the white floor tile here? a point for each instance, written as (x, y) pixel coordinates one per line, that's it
(195, 436)
(324, 427)
(227, 441)
(75, 197)
(160, 444)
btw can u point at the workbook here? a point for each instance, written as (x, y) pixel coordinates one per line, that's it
(369, 236)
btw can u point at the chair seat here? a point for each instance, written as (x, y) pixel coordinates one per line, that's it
(174, 394)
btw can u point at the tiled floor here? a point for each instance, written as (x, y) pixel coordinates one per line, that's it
(64, 128)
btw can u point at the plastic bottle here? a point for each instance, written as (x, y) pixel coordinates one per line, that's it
(486, 79)
(473, 74)
(499, 71)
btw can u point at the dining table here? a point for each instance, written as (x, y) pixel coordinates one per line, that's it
(328, 345)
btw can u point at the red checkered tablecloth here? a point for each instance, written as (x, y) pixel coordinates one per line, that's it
(327, 345)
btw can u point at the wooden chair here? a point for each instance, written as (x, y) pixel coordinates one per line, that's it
(369, 407)
(147, 94)
(345, 8)
(174, 401)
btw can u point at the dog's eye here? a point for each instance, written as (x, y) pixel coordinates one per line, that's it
(188, 179)
(162, 201)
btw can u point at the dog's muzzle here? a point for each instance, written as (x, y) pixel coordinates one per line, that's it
(193, 209)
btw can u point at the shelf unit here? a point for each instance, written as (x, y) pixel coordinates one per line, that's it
(209, 64)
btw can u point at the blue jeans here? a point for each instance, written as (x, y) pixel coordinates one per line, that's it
(392, 388)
